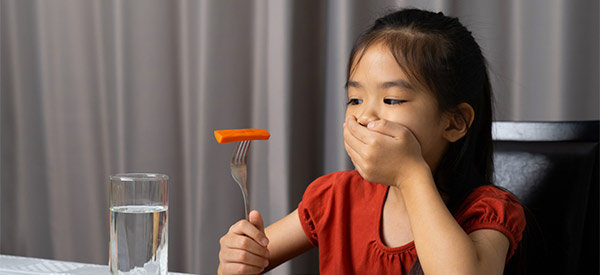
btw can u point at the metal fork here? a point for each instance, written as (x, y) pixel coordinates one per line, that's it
(239, 170)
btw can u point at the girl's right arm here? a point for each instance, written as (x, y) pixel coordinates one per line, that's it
(244, 251)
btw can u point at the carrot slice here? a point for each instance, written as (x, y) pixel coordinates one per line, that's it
(233, 135)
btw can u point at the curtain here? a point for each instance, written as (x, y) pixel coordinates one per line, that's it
(93, 88)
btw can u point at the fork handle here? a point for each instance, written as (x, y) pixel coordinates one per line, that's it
(246, 201)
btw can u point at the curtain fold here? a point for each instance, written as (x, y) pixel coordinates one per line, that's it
(93, 88)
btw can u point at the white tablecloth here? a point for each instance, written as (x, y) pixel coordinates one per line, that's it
(14, 265)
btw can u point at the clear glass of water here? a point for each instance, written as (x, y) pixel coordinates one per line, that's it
(138, 223)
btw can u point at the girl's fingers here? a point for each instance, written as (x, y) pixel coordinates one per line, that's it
(256, 219)
(356, 158)
(243, 257)
(244, 227)
(354, 147)
(239, 268)
(351, 140)
(359, 132)
(385, 127)
(388, 128)
(353, 154)
(232, 241)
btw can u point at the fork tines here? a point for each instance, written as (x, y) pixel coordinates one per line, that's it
(241, 152)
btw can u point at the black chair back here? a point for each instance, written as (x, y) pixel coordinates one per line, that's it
(552, 167)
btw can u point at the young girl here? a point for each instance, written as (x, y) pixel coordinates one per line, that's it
(421, 200)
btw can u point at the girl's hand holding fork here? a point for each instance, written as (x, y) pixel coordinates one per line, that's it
(244, 247)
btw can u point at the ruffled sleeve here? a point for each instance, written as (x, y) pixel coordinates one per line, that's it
(491, 208)
(315, 206)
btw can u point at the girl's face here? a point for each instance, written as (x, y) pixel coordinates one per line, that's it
(379, 89)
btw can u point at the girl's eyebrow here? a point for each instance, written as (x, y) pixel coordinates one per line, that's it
(353, 84)
(385, 85)
(396, 83)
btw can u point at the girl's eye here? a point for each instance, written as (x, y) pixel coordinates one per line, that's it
(354, 101)
(393, 101)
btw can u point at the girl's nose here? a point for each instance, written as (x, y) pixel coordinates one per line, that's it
(369, 114)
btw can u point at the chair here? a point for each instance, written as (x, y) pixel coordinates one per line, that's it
(552, 167)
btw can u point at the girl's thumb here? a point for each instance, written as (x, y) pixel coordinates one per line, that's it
(256, 219)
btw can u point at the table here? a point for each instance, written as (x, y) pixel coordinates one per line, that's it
(16, 265)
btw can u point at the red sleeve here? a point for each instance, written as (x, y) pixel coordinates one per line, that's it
(491, 208)
(315, 206)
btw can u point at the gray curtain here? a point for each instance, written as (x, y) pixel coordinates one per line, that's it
(90, 88)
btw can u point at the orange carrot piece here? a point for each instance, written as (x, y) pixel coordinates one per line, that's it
(233, 135)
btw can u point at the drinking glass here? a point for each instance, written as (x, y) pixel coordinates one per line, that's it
(138, 223)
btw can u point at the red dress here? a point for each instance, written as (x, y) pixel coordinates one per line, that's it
(341, 214)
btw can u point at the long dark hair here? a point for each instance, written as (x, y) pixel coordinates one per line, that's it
(439, 55)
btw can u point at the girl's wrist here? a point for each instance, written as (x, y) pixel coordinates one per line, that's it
(418, 173)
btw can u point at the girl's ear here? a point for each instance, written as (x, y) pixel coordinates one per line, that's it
(458, 123)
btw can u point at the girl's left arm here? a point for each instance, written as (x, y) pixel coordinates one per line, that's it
(442, 244)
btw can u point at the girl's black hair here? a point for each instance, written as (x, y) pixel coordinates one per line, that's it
(439, 55)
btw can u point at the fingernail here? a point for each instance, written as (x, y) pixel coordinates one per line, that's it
(266, 263)
(264, 241)
(344, 124)
(267, 254)
(371, 124)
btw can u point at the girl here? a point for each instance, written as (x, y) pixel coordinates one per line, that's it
(421, 200)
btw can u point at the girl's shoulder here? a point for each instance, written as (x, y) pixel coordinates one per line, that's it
(491, 207)
(491, 200)
(494, 192)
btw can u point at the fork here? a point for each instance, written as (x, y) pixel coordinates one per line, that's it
(239, 170)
